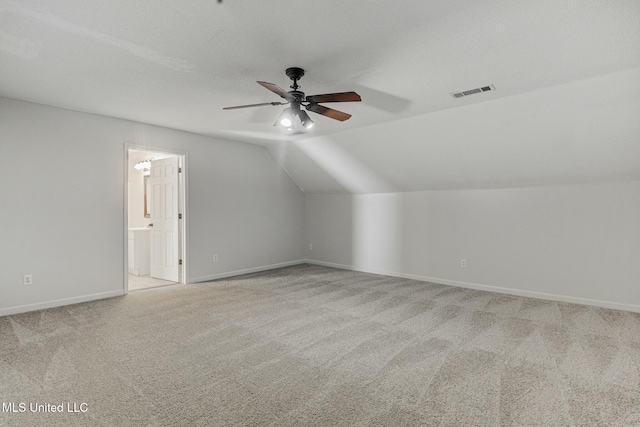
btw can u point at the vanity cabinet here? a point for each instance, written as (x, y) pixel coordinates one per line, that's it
(139, 248)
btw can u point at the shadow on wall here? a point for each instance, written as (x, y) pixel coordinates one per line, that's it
(575, 243)
(364, 231)
(375, 220)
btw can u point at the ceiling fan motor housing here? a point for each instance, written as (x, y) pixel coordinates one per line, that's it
(298, 95)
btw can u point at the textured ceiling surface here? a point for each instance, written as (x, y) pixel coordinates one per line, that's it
(566, 75)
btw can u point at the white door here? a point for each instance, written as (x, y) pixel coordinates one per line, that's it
(164, 217)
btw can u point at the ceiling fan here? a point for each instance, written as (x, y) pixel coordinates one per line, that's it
(297, 99)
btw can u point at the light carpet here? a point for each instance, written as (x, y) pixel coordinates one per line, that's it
(316, 346)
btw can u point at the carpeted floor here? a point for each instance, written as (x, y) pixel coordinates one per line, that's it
(315, 346)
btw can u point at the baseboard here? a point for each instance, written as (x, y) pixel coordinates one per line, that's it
(59, 302)
(489, 288)
(245, 271)
(510, 291)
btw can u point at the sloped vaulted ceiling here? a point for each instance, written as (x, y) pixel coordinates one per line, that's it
(565, 108)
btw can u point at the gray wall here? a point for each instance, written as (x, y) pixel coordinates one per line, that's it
(577, 243)
(62, 193)
(62, 196)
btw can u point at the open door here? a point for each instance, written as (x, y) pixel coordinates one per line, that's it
(164, 217)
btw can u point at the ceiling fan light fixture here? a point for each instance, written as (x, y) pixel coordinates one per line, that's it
(285, 119)
(286, 122)
(297, 99)
(306, 121)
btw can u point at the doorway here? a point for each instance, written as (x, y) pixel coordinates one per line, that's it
(155, 218)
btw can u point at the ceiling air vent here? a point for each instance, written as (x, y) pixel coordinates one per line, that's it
(473, 91)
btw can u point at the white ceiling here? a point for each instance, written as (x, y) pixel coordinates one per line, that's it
(565, 110)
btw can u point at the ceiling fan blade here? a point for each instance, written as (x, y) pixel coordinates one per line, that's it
(277, 90)
(335, 97)
(254, 105)
(328, 112)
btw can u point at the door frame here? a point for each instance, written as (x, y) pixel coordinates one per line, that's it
(183, 184)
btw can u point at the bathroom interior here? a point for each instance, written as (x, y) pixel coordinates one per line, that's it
(140, 223)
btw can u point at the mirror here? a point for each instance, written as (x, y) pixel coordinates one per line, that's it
(147, 192)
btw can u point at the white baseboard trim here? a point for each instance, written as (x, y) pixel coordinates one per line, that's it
(245, 271)
(59, 302)
(489, 288)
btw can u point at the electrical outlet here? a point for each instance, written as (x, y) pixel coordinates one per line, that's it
(463, 263)
(28, 279)
(310, 246)
(215, 258)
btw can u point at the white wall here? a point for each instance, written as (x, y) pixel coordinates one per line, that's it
(584, 131)
(62, 193)
(576, 243)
